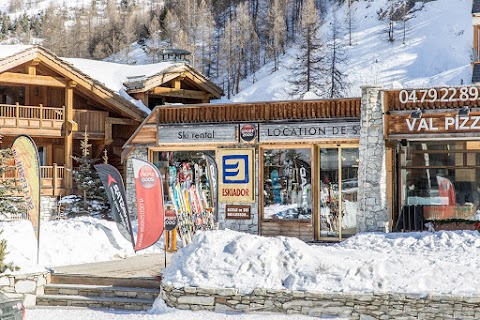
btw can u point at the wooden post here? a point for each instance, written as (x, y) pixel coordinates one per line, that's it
(17, 111)
(55, 178)
(171, 240)
(41, 115)
(68, 143)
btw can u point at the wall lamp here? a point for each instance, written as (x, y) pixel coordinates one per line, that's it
(464, 111)
(417, 114)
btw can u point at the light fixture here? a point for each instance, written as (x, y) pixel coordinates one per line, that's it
(464, 111)
(35, 91)
(417, 114)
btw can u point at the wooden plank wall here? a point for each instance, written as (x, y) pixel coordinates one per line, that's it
(301, 230)
(264, 111)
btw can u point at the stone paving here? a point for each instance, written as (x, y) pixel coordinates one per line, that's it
(138, 266)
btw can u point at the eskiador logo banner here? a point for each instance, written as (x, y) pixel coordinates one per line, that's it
(237, 175)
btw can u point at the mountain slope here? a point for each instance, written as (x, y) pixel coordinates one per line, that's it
(436, 52)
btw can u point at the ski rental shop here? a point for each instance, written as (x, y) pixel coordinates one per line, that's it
(282, 168)
(436, 135)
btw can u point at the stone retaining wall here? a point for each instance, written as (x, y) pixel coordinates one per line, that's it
(25, 287)
(352, 306)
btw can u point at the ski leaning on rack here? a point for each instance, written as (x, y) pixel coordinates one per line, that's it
(175, 196)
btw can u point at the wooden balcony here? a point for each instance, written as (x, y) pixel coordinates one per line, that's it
(93, 121)
(51, 177)
(33, 120)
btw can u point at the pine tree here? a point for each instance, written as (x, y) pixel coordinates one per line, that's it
(3, 252)
(95, 198)
(308, 67)
(11, 204)
(334, 78)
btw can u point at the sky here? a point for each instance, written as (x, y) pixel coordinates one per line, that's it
(417, 262)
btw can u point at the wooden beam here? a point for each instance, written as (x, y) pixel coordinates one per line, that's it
(127, 122)
(31, 68)
(68, 140)
(180, 93)
(22, 78)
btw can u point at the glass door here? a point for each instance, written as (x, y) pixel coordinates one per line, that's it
(329, 196)
(338, 187)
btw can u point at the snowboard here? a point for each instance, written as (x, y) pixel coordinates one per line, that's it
(276, 186)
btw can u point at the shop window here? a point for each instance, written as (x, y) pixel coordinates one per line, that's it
(338, 201)
(442, 179)
(187, 183)
(287, 184)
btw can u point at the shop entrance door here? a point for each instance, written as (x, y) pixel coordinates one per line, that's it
(338, 188)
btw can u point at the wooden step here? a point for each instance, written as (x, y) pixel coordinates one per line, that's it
(153, 283)
(95, 302)
(101, 291)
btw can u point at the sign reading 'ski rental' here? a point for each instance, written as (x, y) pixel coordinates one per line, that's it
(237, 175)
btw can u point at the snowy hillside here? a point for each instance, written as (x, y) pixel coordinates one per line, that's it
(436, 52)
(437, 48)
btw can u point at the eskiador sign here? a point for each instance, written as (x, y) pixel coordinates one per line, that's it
(237, 175)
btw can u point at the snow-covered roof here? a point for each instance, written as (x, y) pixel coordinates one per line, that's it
(11, 50)
(113, 75)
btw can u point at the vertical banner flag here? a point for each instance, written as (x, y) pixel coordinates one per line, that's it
(212, 176)
(26, 159)
(113, 183)
(150, 209)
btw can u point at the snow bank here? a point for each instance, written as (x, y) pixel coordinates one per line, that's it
(66, 242)
(443, 262)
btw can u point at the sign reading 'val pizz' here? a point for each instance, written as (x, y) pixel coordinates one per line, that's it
(446, 123)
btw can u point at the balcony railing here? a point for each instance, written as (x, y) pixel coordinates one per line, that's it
(51, 177)
(32, 117)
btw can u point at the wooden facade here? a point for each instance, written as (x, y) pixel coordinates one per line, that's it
(285, 114)
(179, 83)
(56, 103)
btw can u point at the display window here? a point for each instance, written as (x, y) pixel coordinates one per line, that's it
(338, 191)
(442, 179)
(189, 184)
(287, 190)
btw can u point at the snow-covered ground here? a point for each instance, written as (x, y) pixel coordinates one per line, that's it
(426, 262)
(369, 262)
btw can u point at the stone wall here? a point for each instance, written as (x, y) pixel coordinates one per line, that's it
(48, 207)
(138, 153)
(352, 306)
(25, 287)
(372, 212)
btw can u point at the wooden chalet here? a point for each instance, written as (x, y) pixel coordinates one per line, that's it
(56, 100)
(178, 83)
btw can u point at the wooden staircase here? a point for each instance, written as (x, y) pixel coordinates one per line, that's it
(100, 292)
